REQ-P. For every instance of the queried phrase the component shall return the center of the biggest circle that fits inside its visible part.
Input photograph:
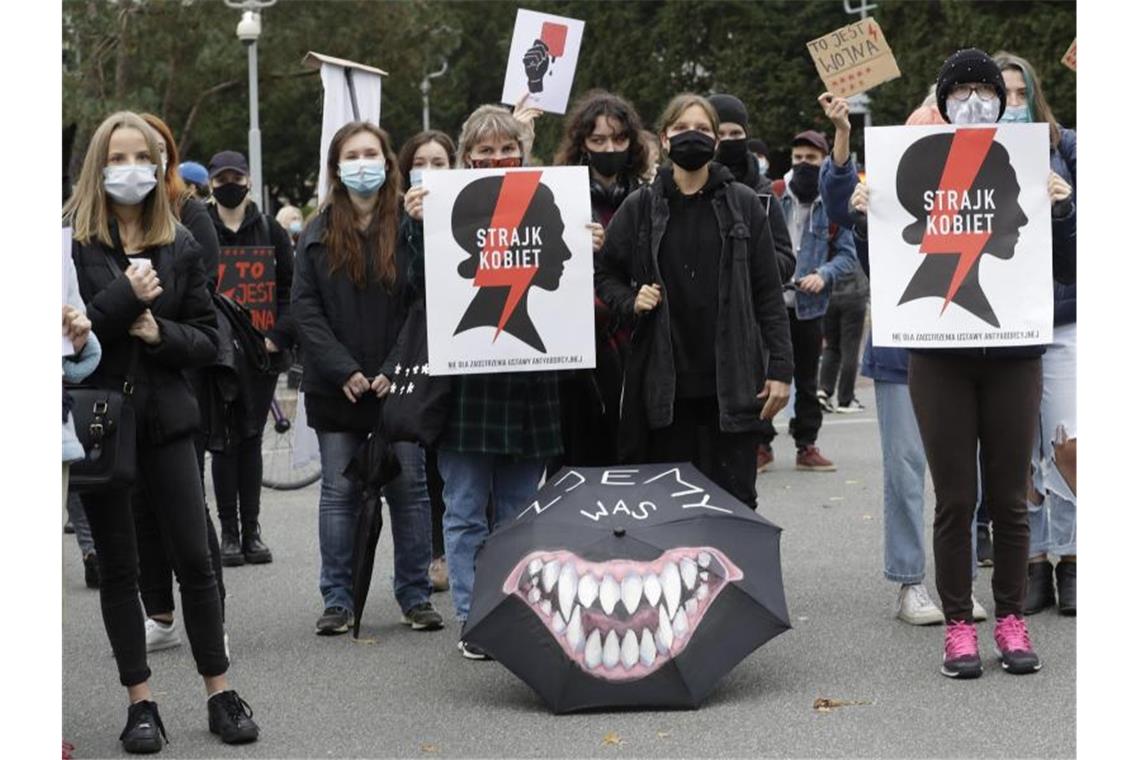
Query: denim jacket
(813, 256)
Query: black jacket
(751, 317)
(344, 329)
(258, 229)
(781, 240)
(165, 406)
(197, 220)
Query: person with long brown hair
(128, 250)
(350, 300)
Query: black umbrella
(638, 586)
(373, 466)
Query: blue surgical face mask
(363, 176)
(295, 228)
(129, 184)
(1016, 115)
(762, 165)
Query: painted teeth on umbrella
(567, 589)
(703, 559)
(608, 594)
(671, 585)
(691, 607)
(689, 572)
(557, 623)
(680, 624)
(594, 649)
(535, 566)
(631, 592)
(534, 595)
(574, 635)
(705, 575)
(611, 651)
(550, 575)
(630, 650)
(587, 589)
(652, 589)
(648, 651)
(546, 607)
(703, 592)
(664, 631)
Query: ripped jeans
(1053, 523)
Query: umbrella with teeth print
(638, 586)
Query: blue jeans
(1053, 524)
(408, 509)
(904, 473)
(469, 481)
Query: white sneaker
(854, 407)
(979, 611)
(916, 607)
(159, 636)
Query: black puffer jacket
(344, 329)
(751, 317)
(165, 406)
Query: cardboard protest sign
(510, 270)
(543, 57)
(854, 59)
(248, 274)
(1070, 57)
(960, 236)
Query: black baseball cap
(228, 160)
(810, 138)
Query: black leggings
(807, 343)
(237, 471)
(167, 507)
(960, 402)
(843, 331)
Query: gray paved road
(412, 695)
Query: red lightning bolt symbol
(514, 200)
(873, 31)
(967, 152)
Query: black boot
(231, 718)
(144, 732)
(1039, 593)
(1067, 588)
(231, 545)
(252, 547)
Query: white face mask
(129, 185)
(973, 110)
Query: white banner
(510, 270)
(543, 57)
(960, 236)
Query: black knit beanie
(729, 108)
(756, 145)
(964, 67)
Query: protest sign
(248, 275)
(1070, 57)
(510, 270)
(854, 59)
(543, 57)
(960, 236)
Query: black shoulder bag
(105, 425)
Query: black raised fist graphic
(536, 61)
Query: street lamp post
(425, 88)
(248, 30)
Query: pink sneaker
(1014, 647)
(960, 658)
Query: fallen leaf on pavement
(663, 734)
(853, 482)
(612, 739)
(836, 498)
(363, 641)
(826, 705)
(866, 517)
(426, 747)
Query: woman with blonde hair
(128, 250)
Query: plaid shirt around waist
(505, 413)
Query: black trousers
(155, 580)
(807, 339)
(435, 495)
(237, 471)
(728, 459)
(843, 335)
(960, 402)
(163, 512)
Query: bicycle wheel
(278, 469)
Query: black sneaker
(1039, 587)
(985, 547)
(253, 549)
(231, 718)
(91, 570)
(1067, 588)
(334, 621)
(144, 733)
(232, 555)
(472, 652)
(423, 617)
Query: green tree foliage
(181, 60)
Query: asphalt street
(409, 694)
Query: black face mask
(607, 163)
(805, 181)
(691, 150)
(231, 194)
(734, 154)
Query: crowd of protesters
(689, 366)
